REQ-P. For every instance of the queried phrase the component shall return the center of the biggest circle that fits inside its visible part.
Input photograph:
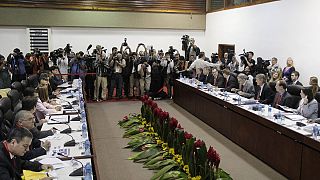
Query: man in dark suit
(217, 79)
(16, 145)
(294, 77)
(264, 93)
(281, 95)
(25, 119)
(230, 80)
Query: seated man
(217, 79)
(230, 80)
(29, 104)
(264, 93)
(25, 119)
(246, 88)
(16, 145)
(55, 78)
(281, 95)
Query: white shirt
(200, 64)
(170, 67)
(63, 65)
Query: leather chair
(17, 86)
(293, 101)
(5, 108)
(294, 89)
(14, 96)
(317, 97)
(33, 81)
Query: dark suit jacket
(283, 100)
(297, 83)
(248, 89)
(218, 82)
(35, 150)
(10, 172)
(40, 134)
(231, 82)
(267, 95)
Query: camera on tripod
(262, 65)
(244, 56)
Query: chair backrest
(317, 97)
(33, 81)
(5, 104)
(14, 96)
(292, 101)
(17, 86)
(294, 89)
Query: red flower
(156, 111)
(125, 118)
(179, 127)
(187, 135)
(141, 130)
(149, 102)
(153, 105)
(164, 115)
(173, 123)
(198, 144)
(213, 157)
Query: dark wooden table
(290, 153)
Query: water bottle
(87, 147)
(315, 131)
(239, 100)
(84, 130)
(269, 111)
(88, 172)
(181, 76)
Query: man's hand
(42, 121)
(57, 108)
(241, 93)
(46, 145)
(46, 167)
(53, 130)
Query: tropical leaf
(146, 154)
(160, 164)
(163, 171)
(135, 155)
(152, 161)
(154, 156)
(174, 175)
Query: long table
(293, 154)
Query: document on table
(294, 117)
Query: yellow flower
(171, 151)
(151, 129)
(159, 142)
(196, 178)
(164, 146)
(143, 122)
(186, 168)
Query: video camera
(214, 57)
(185, 42)
(171, 51)
(262, 65)
(55, 54)
(67, 49)
(244, 56)
(125, 42)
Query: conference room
(207, 89)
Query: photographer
(127, 70)
(101, 66)
(37, 61)
(17, 67)
(5, 79)
(78, 66)
(117, 64)
(248, 61)
(142, 54)
(144, 70)
(193, 49)
(167, 72)
(134, 76)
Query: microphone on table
(70, 143)
(78, 118)
(77, 172)
(65, 131)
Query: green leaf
(160, 164)
(146, 154)
(174, 175)
(135, 155)
(154, 156)
(163, 171)
(153, 161)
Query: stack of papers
(55, 162)
(294, 117)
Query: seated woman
(308, 106)
(275, 76)
(43, 106)
(246, 88)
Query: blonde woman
(286, 73)
(275, 76)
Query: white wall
(13, 37)
(278, 29)
(80, 38)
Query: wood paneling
(175, 6)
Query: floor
(112, 158)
